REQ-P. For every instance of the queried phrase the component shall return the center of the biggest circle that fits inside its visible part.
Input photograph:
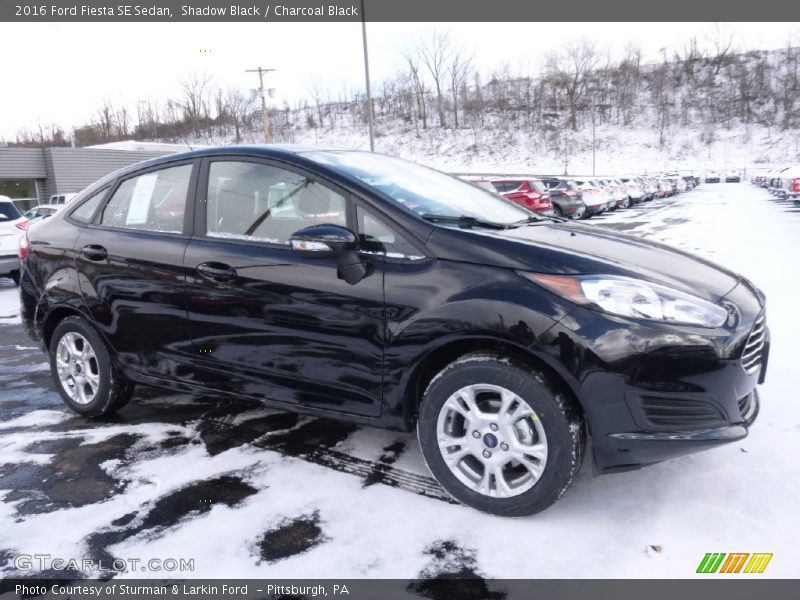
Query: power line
(264, 116)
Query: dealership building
(29, 176)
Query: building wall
(22, 163)
(72, 169)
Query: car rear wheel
(15, 276)
(83, 372)
(498, 437)
(557, 211)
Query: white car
(12, 225)
(61, 198)
(733, 177)
(37, 213)
(711, 177)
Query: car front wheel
(83, 371)
(499, 438)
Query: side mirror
(332, 241)
(322, 241)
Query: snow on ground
(232, 488)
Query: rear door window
(153, 201)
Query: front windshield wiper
(538, 219)
(465, 221)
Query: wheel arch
(53, 318)
(438, 358)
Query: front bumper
(650, 391)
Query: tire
(76, 351)
(460, 417)
(15, 276)
(557, 211)
(628, 202)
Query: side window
(375, 236)
(253, 201)
(86, 210)
(155, 201)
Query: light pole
(594, 138)
(370, 116)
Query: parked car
(37, 213)
(12, 224)
(423, 302)
(651, 188)
(566, 196)
(634, 190)
(790, 182)
(612, 195)
(618, 191)
(528, 192)
(61, 198)
(775, 183)
(733, 177)
(711, 177)
(593, 196)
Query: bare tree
(105, 119)
(418, 82)
(195, 105)
(239, 107)
(570, 69)
(318, 93)
(458, 69)
(434, 52)
(722, 46)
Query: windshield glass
(420, 189)
(537, 185)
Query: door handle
(94, 252)
(217, 271)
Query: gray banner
(395, 10)
(386, 589)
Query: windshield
(420, 189)
(537, 185)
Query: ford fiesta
(352, 285)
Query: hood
(573, 249)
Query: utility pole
(264, 115)
(370, 116)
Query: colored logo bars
(719, 562)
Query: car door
(130, 269)
(265, 322)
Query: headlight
(633, 298)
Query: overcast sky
(61, 73)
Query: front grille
(753, 349)
(680, 412)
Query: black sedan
(352, 285)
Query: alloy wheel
(492, 440)
(78, 370)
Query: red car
(528, 192)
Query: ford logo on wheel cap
(490, 440)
